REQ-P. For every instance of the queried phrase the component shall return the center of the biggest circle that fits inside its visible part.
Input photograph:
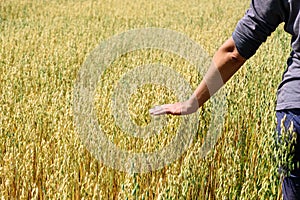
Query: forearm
(225, 64)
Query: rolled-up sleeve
(260, 20)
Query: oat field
(43, 45)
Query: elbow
(231, 53)
(236, 57)
(228, 60)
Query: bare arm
(225, 64)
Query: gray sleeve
(261, 19)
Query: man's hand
(180, 108)
(173, 109)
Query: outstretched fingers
(173, 109)
(158, 110)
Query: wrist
(190, 106)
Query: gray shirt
(261, 19)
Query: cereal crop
(43, 45)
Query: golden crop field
(43, 47)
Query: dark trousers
(291, 184)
